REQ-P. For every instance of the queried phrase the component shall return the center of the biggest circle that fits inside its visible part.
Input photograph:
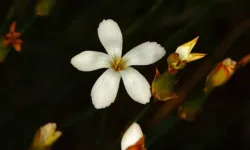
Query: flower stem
(28, 25)
(166, 108)
(141, 114)
(7, 21)
(158, 131)
(202, 71)
(102, 125)
(183, 31)
(139, 22)
(79, 117)
(137, 118)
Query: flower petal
(110, 36)
(53, 138)
(13, 27)
(105, 89)
(185, 49)
(229, 62)
(144, 54)
(136, 85)
(131, 136)
(183, 52)
(17, 47)
(195, 56)
(91, 60)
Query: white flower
(184, 51)
(106, 87)
(132, 135)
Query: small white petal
(185, 49)
(144, 54)
(131, 136)
(110, 36)
(105, 89)
(183, 52)
(91, 60)
(229, 62)
(136, 85)
(195, 56)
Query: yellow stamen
(118, 64)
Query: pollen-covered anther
(118, 64)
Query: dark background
(39, 85)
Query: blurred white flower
(106, 87)
(133, 137)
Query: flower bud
(220, 74)
(133, 138)
(183, 55)
(43, 7)
(174, 62)
(163, 86)
(45, 136)
(185, 50)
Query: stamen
(118, 64)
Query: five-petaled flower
(45, 136)
(12, 38)
(220, 74)
(133, 138)
(106, 87)
(183, 55)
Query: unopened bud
(220, 74)
(45, 136)
(163, 86)
(43, 7)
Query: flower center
(118, 64)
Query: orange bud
(221, 73)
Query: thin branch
(201, 72)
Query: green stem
(219, 52)
(28, 25)
(137, 118)
(7, 21)
(160, 130)
(4, 25)
(141, 114)
(180, 33)
(79, 117)
(102, 125)
(139, 22)
(212, 138)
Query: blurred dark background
(39, 85)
